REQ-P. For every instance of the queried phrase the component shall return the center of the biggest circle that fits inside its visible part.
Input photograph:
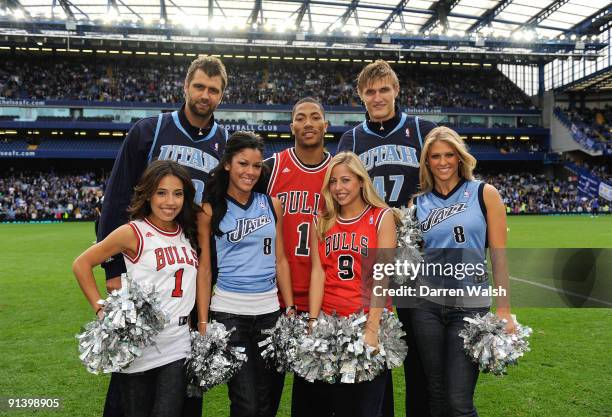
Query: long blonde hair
(329, 214)
(467, 162)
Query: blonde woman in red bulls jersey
(355, 223)
(296, 179)
(160, 248)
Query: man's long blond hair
(329, 214)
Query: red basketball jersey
(298, 187)
(343, 252)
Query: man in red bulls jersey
(296, 178)
(189, 136)
(389, 144)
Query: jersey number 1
(178, 283)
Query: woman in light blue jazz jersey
(244, 226)
(460, 218)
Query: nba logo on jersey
(466, 193)
(408, 132)
(371, 219)
(262, 205)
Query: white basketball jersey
(167, 261)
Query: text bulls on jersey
(172, 255)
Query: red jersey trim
(354, 219)
(299, 165)
(162, 231)
(140, 244)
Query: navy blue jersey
(167, 136)
(199, 155)
(391, 158)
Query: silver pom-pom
(486, 342)
(212, 361)
(358, 361)
(336, 349)
(393, 347)
(318, 351)
(409, 241)
(281, 346)
(132, 318)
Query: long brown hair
(140, 207)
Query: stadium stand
(43, 195)
(590, 127)
(260, 82)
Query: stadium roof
(520, 31)
(544, 18)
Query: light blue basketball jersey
(455, 227)
(246, 255)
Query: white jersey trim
(354, 219)
(296, 161)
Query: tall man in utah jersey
(389, 144)
(189, 136)
(296, 179)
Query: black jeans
(253, 390)
(157, 392)
(450, 374)
(113, 407)
(416, 397)
(319, 399)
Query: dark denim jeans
(157, 392)
(253, 390)
(113, 406)
(416, 397)
(451, 375)
(319, 399)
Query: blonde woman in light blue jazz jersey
(460, 218)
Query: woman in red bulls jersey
(159, 245)
(354, 224)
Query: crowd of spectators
(599, 170)
(528, 193)
(590, 127)
(252, 82)
(26, 196)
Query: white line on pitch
(574, 294)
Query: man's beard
(194, 110)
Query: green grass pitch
(41, 309)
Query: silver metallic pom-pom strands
(486, 342)
(212, 361)
(281, 346)
(409, 241)
(318, 351)
(132, 318)
(335, 350)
